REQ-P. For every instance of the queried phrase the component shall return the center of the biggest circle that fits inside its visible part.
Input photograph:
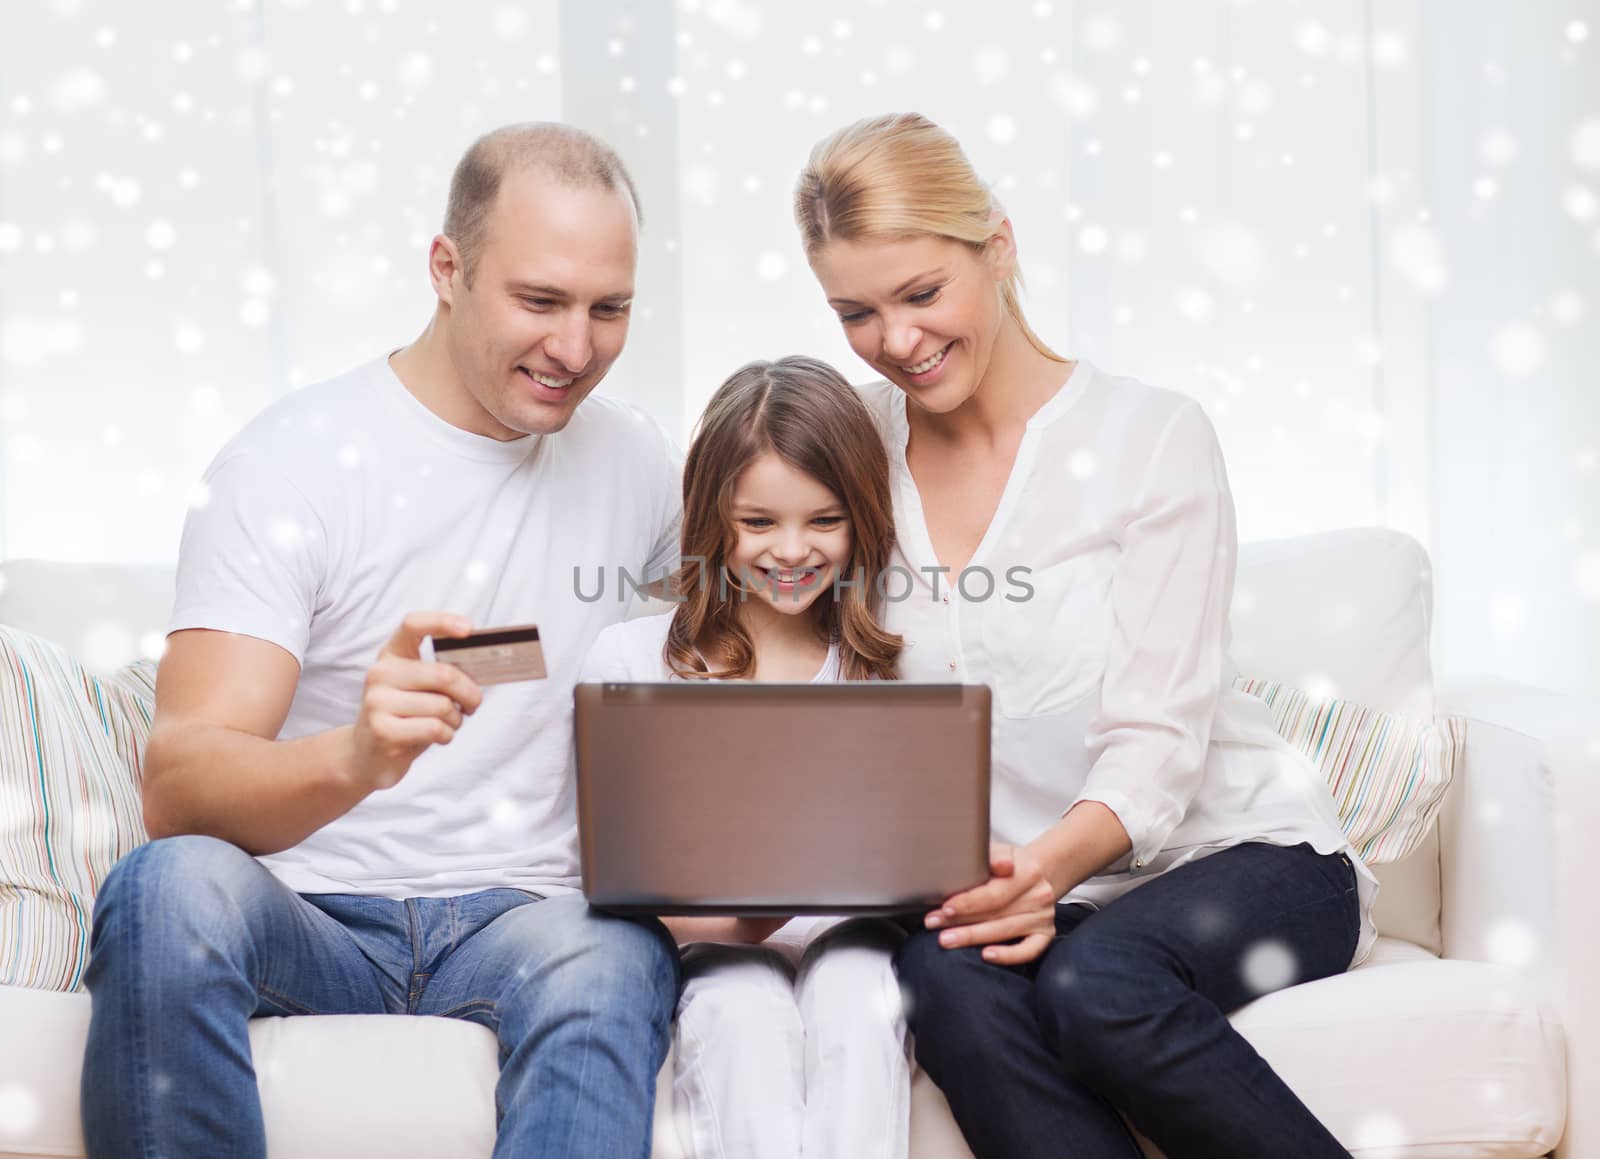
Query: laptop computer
(749, 798)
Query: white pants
(795, 1047)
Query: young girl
(790, 1041)
(1129, 781)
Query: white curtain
(1365, 233)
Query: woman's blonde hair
(805, 412)
(895, 177)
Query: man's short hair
(571, 156)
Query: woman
(789, 1041)
(1160, 856)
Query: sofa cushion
(1340, 613)
(1405, 1057)
(70, 750)
(1388, 773)
(1349, 613)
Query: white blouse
(1096, 609)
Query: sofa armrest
(1517, 839)
(1575, 767)
(1496, 830)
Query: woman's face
(924, 313)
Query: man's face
(547, 311)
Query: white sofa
(1473, 1031)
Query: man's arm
(213, 765)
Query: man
(342, 826)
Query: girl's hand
(754, 931)
(1016, 902)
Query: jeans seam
(413, 986)
(284, 1000)
(472, 1005)
(143, 1140)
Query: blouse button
(946, 597)
(952, 665)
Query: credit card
(495, 655)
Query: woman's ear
(1000, 251)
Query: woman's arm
(1169, 602)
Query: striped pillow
(70, 750)
(1388, 773)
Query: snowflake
(1517, 350)
(1269, 965)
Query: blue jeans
(193, 937)
(1127, 1011)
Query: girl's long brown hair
(805, 412)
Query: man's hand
(1016, 902)
(409, 704)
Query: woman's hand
(1017, 901)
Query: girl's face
(794, 535)
(924, 312)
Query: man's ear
(1000, 250)
(445, 270)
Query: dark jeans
(1127, 1011)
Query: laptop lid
(750, 798)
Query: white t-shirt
(347, 505)
(1096, 608)
(635, 652)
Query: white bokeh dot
(107, 645)
(1378, 1133)
(1102, 34)
(1517, 350)
(1586, 575)
(1512, 942)
(1416, 252)
(771, 266)
(189, 338)
(1580, 202)
(1002, 128)
(1092, 239)
(1269, 965)
(1498, 148)
(160, 235)
(1311, 38)
(1082, 464)
(1195, 304)
(1507, 614)
(991, 64)
(19, 1110)
(1586, 144)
